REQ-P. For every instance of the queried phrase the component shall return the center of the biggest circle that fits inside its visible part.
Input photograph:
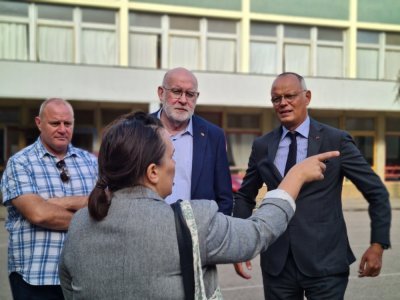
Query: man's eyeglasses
(177, 93)
(64, 175)
(276, 100)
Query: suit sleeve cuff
(278, 193)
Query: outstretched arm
(310, 169)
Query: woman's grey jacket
(133, 253)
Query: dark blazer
(317, 234)
(211, 178)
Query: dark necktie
(291, 159)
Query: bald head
(290, 99)
(55, 101)
(179, 72)
(299, 78)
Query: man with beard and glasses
(202, 170)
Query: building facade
(108, 57)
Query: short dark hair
(129, 145)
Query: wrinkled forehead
(181, 78)
(58, 110)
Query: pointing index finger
(323, 157)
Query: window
(10, 115)
(331, 121)
(213, 117)
(83, 117)
(83, 138)
(55, 34)
(263, 48)
(330, 52)
(98, 16)
(221, 55)
(367, 54)
(363, 132)
(162, 41)
(184, 51)
(109, 115)
(361, 124)
(10, 118)
(297, 49)
(145, 40)
(366, 144)
(244, 121)
(13, 31)
(63, 34)
(184, 42)
(221, 45)
(392, 166)
(184, 23)
(378, 55)
(241, 132)
(31, 134)
(305, 50)
(392, 56)
(99, 40)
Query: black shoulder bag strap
(185, 250)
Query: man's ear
(308, 96)
(152, 174)
(160, 92)
(38, 123)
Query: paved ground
(384, 287)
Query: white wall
(91, 83)
(76, 82)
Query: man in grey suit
(312, 258)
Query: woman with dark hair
(125, 245)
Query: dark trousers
(291, 284)
(21, 290)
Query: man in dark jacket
(202, 170)
(312, 257)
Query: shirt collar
(303, 129)
(42, 151)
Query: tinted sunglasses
(64, 176)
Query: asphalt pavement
(384, 287)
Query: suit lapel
(200, 138)
(314, 138)
(273, 145)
